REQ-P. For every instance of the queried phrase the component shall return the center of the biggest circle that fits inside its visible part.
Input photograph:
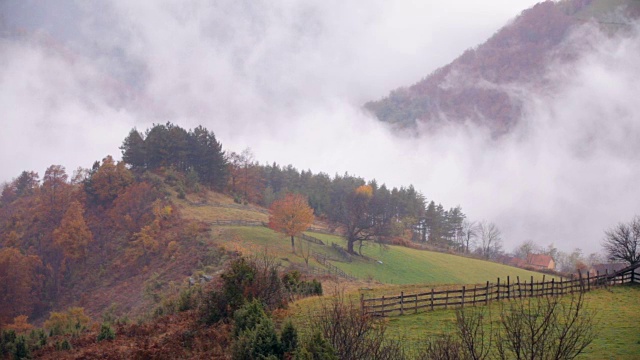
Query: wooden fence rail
(485, 293)
(332, 269)
(237, 223)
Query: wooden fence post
(474, 294)
(431, 299)
(383, 305)
(402, 303)
(508, 288)
(462, 299)
(486, 297)
(580, 281)
(446, 299)
(553, 283)
(588, 281)
(498, 290)
(519, 289)
(531, 284)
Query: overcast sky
(288, 79)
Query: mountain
(481, 86)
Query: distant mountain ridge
(476, 86)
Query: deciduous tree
(291, 216)
(20, 283)
(108, 181)
(73, 235)
(491, 239)
(622, 242)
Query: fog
(288, 79)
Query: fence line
(483, 294)
(311, 239)
(332, 269)
(237, 223)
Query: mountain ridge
(478, 85)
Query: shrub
(65, 345)
(248, 317)
(258, 343)
(106, 333)
(21, 348)
(72, 321)
(316, 348)
(289, 338)
(354, 335)
(214, 308)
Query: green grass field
(616, 313)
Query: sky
(288, 79)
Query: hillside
(484, 84)
(387, 264)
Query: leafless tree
(528, 247)
(548, 328)
(622, 242)
(469, 234)
(491, 239)
(355, 335)
(445, 347)
(305, 251)
(475, 335)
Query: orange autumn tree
(20, 284)
(73, 234)
(291, 216)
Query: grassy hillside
(401, 265)
(387, 265)
(616, 313)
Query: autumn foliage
(291, 216)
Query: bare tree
(469, 234)
(528, 247)
(491, 239)
(475, 336)
(444, 347)
(550, 328)
(305, 251)
(622, 242)
(353, 334)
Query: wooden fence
(332, 269)
(237, 223)
(310, 239)
(483, 294)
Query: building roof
(539, 260)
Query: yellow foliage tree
(110, 180)
(73, 235)
(291, 216)
(20, 324)
(72, 321)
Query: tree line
(380, 215)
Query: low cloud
(288, 78)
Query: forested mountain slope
(484, 84)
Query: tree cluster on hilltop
(169, 145)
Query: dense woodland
(476, 86)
